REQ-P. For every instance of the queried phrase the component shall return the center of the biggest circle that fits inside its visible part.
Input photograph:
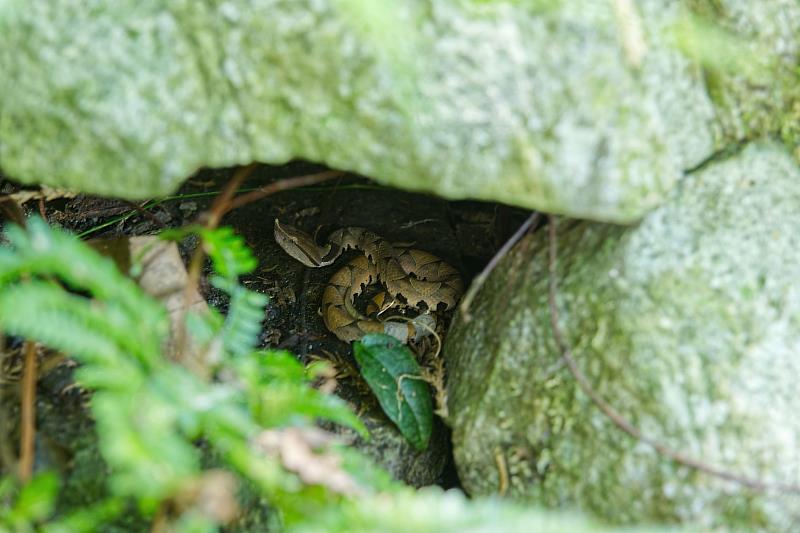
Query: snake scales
(416, 276)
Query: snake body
(413, 275)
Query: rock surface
(687, 324)
(587, 111)
(753, 82)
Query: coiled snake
(414, 275)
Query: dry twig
(28, 413)
(480, 279)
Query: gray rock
(391, 451)
(566, 107)
(688, 324)
(751, 67)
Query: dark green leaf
(392, 372)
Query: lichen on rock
(539, 105)
(687, 324)
(751, 62)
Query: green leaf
(86, 519)
(178, 234)
(278, 391)
(392, 372)
(36, 499)
(229, 253)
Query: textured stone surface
(754, 81)
(688, 324)
(567, 107)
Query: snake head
(302, 246)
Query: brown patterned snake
(416, 276)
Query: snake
(422, 280)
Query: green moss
(687, 324)
(760, 97)
(534, 105)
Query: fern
(149, 411)
(278, 392)
(120, 312)
(42, 250)
(242, 326)
(230, 257)
(228, 252)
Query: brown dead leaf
(162, 275)
(213, 495)
(306, 452)
(43, 193)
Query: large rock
(688, 324)
(569, 107)
(755, 84)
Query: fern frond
(245, 312)
(42, 250)
(229, 253)
(279, 394)
(96, 332)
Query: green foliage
(240, 331)
(230, 258)
(23, 508)
(431, 510)
(228, 251)
(392, 372)
(278, 394)
(150, 411)
(32, 503)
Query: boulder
(589, 111)
(688, 324)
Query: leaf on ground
(392, 372)
(305, 451)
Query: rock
(587, 111)
(755, 85)
(388, 449)
(687, 324)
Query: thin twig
(616, 417)
(140, 208)
(28, 413)
(221, 204)
(282, 185)
(502, 472)
(480, 279)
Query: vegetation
(151, 412)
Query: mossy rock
(587, 111)
(688, 324)
(751, 58)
